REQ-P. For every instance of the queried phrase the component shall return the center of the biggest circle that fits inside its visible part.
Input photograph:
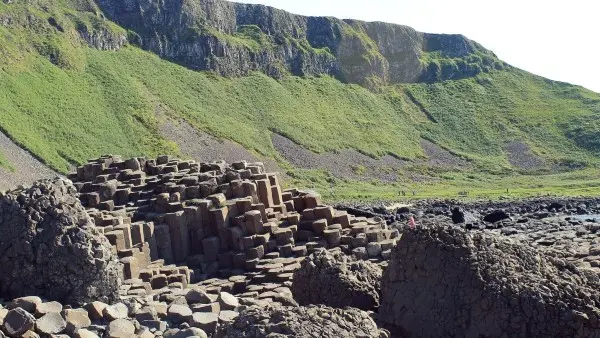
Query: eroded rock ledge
(476, 284)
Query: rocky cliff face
(234, 39)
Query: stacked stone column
(175, 222)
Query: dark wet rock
(461, 216)
(496, 216)
(337, 280)
(458, 215)
(17, 322)
(556, 206)
(499, 288)
(50, 247)
(403, 210)
(582, 209)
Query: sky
(559, 40)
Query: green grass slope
(478, 116)
(66, 102)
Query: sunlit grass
(88, 102)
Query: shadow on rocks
(337, 280)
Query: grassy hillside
(453, 184)
(478, 116)
(67, 102)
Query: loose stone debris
(174, 248)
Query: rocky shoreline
(170, 248)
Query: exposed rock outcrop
(233, 39)
(337, 280)
(50, 247)
(103, 37)
(310, 321)
(444, 282)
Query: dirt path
(26, 168)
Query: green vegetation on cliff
(65, 115)
(66, 102)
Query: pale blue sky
(559, 40)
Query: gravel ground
(344, 163)
(520, 156)
(347, 163)
(27, 169)
(439, 157)
(204, 147)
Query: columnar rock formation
(176, 222)
(217, 250)
(449, 282)
(195, 245)
(50, 247)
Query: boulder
(310, 321)
(83, 333)
(76, 319)
(185, 333)
(49, 247)
(179, 313)
(3, 313)
(29, 303)
(51, 323)
(146, 313)
(228, 301)
(17, 322)
(337, 280)
(115, 311)
(195, 296)
(120, 328)
(227, 316)
(205, 320)
(484, 285)
(48, 307)
(95, 310)
(32, 334)
(461, 216)
(496, 216)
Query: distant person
(414, 193)
(411, 222)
